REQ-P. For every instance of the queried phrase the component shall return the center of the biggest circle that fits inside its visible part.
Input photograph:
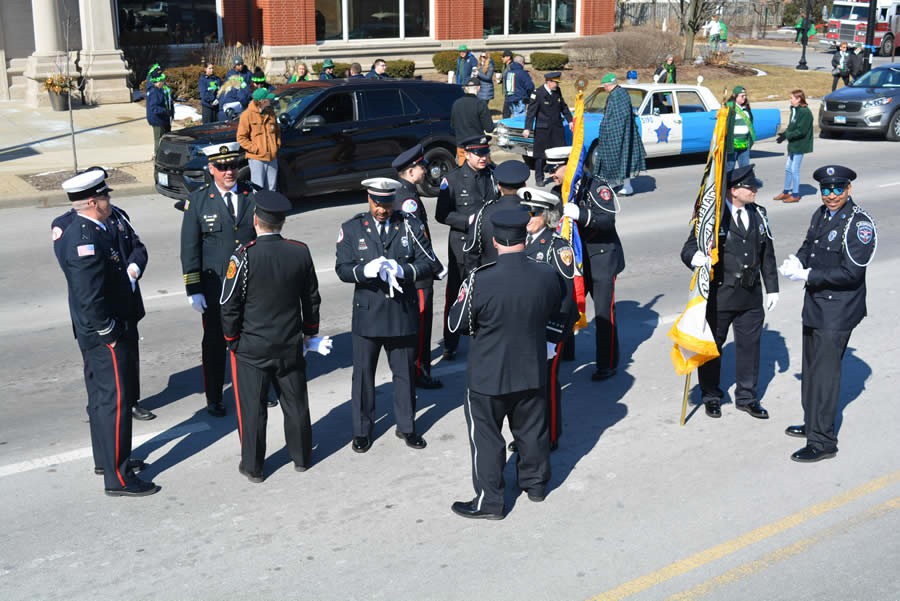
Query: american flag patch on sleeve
(86, 250)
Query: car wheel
(440, 162)
(893, 130)
(887, 46)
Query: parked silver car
(870, 104)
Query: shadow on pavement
(180, 386)
(203, 431)
(853, 382)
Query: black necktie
(230, 204)
(528, 239)
(383, 230)
(739, 217)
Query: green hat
(462, 48)
(737, 90)
(263, 94)
(328, 64)
(608, 78)
(155, 74)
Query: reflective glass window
(176, 21)
(418, 13)
(329, 20)
(374, 19)
(493, 17)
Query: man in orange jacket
(259, 135)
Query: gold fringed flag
(568, 229)
(693, 338)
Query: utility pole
(870, 36)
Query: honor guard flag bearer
(693, 338)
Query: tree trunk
(688, 45)
(754, 29)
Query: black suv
(334, 134)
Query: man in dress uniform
(129, 246)
(545, 115)
(105, 305)
(544, 245)
(555, 161)
(270, 309)
(510, 175)
(383, 253)
(463, 192)
(746, 261)
(832, 261)
(217, 219)
(509, 325)
(410, 166)
(594, 209)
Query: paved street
(818, 58)
(639, 507)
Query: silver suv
(870, 104)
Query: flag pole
(684, 400)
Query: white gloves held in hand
(793, 269)
(572, 211)
(373, 267)
(771, 300)
(700, 259)
(198, 302)
(388, 268)
(551, 350)
(317, 344)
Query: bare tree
(762, 13)
(692, 14)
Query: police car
(674, 119)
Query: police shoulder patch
(410, 205)
(232, 269)
(235, 264)
(865, 232)
(56, 233)
(444, 183)
(340, 234)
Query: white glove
(198, 302)
(572, 211)
(801, 275)
(134, 272)
(700, 259)
(394, 268)
(791, 267)
(373, 267)
(317, 344)
(471, 218)
(771, 300)
(442, 274)
(551, 350)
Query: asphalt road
(818, 58)
(640, 508)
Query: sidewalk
(38, 142)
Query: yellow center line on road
(707, 556)
(704, 589)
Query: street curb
(57, 198)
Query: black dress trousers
(401, 354)
(823, 351)
(747, 327)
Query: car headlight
(877, 102)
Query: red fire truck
(848, 19)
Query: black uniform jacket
(209, 236)
(479, 246)
(743, 257)
(550, 248)
(375, 313)
(408, 201)
(603, 253)
(462, 194)
(544, 110)
(270, 298)
(505, 307)
(470, 117)
(836, 287)
(101, 301)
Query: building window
(372, 19)
(516, 17)
(176, 21)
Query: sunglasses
(836, 190)
(536, 212)
(226, 166)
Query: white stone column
(101, 62)
(48, 57)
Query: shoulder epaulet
(860, 228)
(296, 242)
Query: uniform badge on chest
(832, 235)
(404, 241)
(362, 244)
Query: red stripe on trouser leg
(554, 400)
(237, 396)
(112, 352)
(419, 349)
(612, 325)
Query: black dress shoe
(448, 355)
(713, 409)
(179, 205)
(796, 431)
(271, 403)
(361, 444)
(413, 440)
(255, 477)
(136, 465)
(810, 454)
(512, 448)
(216, 409)
(470, 510)
(603, 373)
(536, 495)
(755, 409)
(138, 412)
(428, 383)
(136, 488)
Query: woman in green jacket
(799, 134)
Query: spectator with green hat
(741, 134)
(620, 153)
(466, 65)
(327, 69)
(160, 106)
